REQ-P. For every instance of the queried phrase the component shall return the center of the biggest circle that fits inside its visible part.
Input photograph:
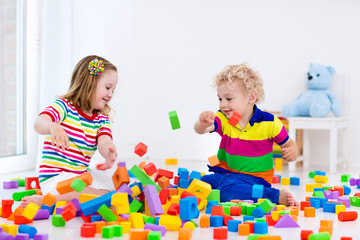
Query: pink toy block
(234, 119)
(153, 200)
(140, 149)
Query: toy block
(184, 183)
(188, 208)
(171, 161)
(185, 194)
(17, 196)
(234, 119)
(260, 228)
(340, 189)
(163, 182)
(174, 209)
(257, 191)
(217, 210)
(49, 199)
(294, 181)
(78, 185)
(10, 184)
(339, 208)
(107, 232)
(6, 209)
(58, 205)
(309, 212)
(346, 238)
(121, 202)
(171, 223)
(183, 173)
(18, 211)
(347, 190)
(64, 186)
(154, 235)
(220, 233)
(87, 197)
(244, 229)
(30, 210)
(143, 177)
(140, 149)
(213, 160)
(275, 179)
(267, 205)
(347, 216)
(153, 200)
(235, 210)
(69, 211)
(258, 212)
(150, 169)
(135, 191)
(189, 225)
(352, 182)
(266, 237)
(233, 225)
(278, 164)
(87, 231)
(136, 220)
(320, 236)
(95, 218)
(321, 179)
(286, 222)
(345, 177)
(164, 195)
(355, 201)
(285, 181)
(199, 188)
(321, 173)
(204, 221)
(28, 230)
(304, 235)
(99, 225)
(32, 183)
(174, 120)
(195, 174)
(216, 221)
(135, 206)
(57, 221)
(91, 206)
(106, 213)
(250, 209)
(120, 177)
(162, 172)
(226, 218)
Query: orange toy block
(269, 238)
(185, 234)
(150, 169)
(99, 225)
(140, 149)
(139, 235)
(244, 229)
(64, 186)
(173, 191)
(234, 119)
(163, 182)
(120, 177)
(30, 182)
(340, 189)
(213, 160)
(49, 199)
(204, 221)
(18, 211)
(309, 212)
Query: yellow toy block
(260, 200)
(321, 179)
(280, 207)
(202, 205)
(202, 173)
(146, 208)
(179, 191)
(136, 190)
(318, 185)
(278, 164)
(87, 197)
(339, 208)
(136, 220)
(189, 225)
(30, 210)
(0, 211)
(275, 215)
(171, 161)
(285, 181)
(121, 203)
(175, 199)
(12, 230)
(126, 226)
(199, 188)
(58, 204)
(171, 223)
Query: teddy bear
(317, 100)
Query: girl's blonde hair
(83, 84)
(249, 79)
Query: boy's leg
(214, 179)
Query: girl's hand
(59, 137)
(109, 160)
(207, 118)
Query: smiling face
(104, 89)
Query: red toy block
(217, 210)
(174, 209)
(164, 195)
(176, 180)
(150, 169)
(270, 221)
(29, 181)
(340, 189)
(275, 179)
(234, 119)
(185, 194)
(346, 238)
(88, 230)
(69, 211)
(347, 216)
(6, 209)
(251, 224)
(304, 204)
(120, 177)
(220, 233)
(64, 186)
(162, 172)
(226, 218)
(357, 194)
(140, 149)
(235, 210)
(19, 219)
(305, 234)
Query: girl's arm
(289, 150)
(107, 149)
(205, 123)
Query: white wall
(168, 52)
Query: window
(12, 81)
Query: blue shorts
(239, 186)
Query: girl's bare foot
(37, 199)
(287, 199)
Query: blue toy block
(27, 229)
(195, 174)
(257, 191)
(209, 206)
(138, 184)
(318, 189)
(183, 173)
(95, 218)
(130, 174)
(157, 218)
(294, 181)
(347, 190)
(260, 227)
(330, 207)
(248, 218)
(184, 183)
(216, 221)
(91, 206)
(321, 173)
(50, 209)
(315, 203)
(188, 208)
(233, 225)
(322, 200)
(258, 212)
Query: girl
(76, 125)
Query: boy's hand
(59, 137)
(207, 118)
(289, 151)
(109, 160)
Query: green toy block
(320, 236)
(107, 232)
(267, 205)
(311, 174)
(17, 196)
(345, 178)
(214, 195)
(196, 225)
(135, 205)
(143, 177)
(148, 219)
(226, 210)
(20, 181)
(78, 184)
(249, 210)
(154, 235)
(283, 212)
(319, 194)
(260, 220)
(118, 230)
(106, 213)
(58, 221)
(355, 201)
(326, 188)
(174, 120)
(256, 236)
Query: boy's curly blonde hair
(248, 78)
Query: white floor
(349, 229)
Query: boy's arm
(205, 123)
(107, 150)
(289, 150)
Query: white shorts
(101, 180)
